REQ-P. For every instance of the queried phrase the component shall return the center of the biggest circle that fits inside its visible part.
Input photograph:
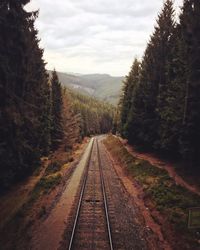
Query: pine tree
(22, 77)
(44, 130)
(190, 27)
(126, 98)
(57, 106)
(37, 92)
(71, 123)
(131, 117)
(116, 120)
(172, 112)
(165, 36)
(15, 151)
(153, 81)
(147, 92)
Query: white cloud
(98, 36)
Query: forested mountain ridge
(96, 116)
(101, 86)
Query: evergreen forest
(160, 104)
(37, 115)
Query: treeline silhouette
(160, 104)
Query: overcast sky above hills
(95, 36)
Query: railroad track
(91, 227)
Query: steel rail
(105, 199)
(80, 198)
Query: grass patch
(170, 199)
(45, 184)
(50, 179)
(56, 165)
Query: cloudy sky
(95, 36)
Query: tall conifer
(126, 98)
(22, 79)
(190, 27)
(57, 106)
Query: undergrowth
(53, 167)
(46, 184)
(51, 177)
(22, 216)
(172, 200)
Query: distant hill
(101, 86)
